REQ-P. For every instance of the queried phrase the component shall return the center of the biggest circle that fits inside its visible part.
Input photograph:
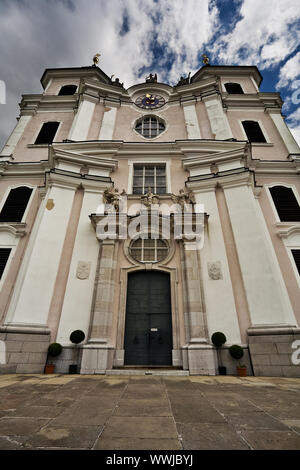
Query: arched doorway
(148, 325)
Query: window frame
(35, 136)
(262, 128)
(153, 116)
(6, 194)
(131, 164)
(143, 248)
(144, 176)
(68, 84)
(233, 83)
(276, 215)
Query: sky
(136, 37)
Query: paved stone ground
(148, 412)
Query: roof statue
(151, 78)
(96, 59)
(205, 59)
(184, 80)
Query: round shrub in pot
(76, 337)
(237, 353)
(218, 339)
(54, 350)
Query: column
(268, 300)
(98, 353)
(15, 136)
(191, 121)
(108, 123)
(83, 118)
(284, 131)
(200, 354)
(36, 282)
(217, 117)
(77, 303)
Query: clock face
(149, 101)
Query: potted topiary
(76, 337)
(218, 339)
(54, 349)
(237, 353)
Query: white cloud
(289, 72)
(264, 36)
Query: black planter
(222, 370)
(73, 369)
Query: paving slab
(71, 437)
(140, 427)
(143, 407)
(270, 440)
(207, 437)
(20, 426)
(254, 420)
(137, 444)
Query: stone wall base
(96, 359)
(201, 359)
(272, 352)
(24, 353)
(225, 359)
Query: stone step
(147, 372)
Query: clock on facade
(149, 101)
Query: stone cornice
(58, 154)
(17, 229)
(219, 70)
(30, 104)
(238, 154)
(295, 228)
(225, 179)
(270, 102)
(75, 72)
(265, 167)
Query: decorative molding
(17, 229)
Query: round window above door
(149, 250)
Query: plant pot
(222, 370)
(241, 371)
(73, 369)
(49, 368)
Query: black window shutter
(286, 204)
(67, 90)
(47, 133)
(15, 204)
(234, 88)
(296, 255)
(253, 131)
(4, 255)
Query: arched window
(4, 255)
(149, 250)
(150, 126)
(234, 88)
(68, 90)
(15, 204)
(286, 204)
(47, 133)
(253, 131)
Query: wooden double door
(148, 326)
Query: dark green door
(148, 327)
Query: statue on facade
(184, 197)
(113, 197)
(184, 80)
(149, 198)
(151, 78)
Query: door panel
(148, 327)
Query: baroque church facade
(214, 143)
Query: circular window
(149, 250)
(150, 126)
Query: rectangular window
(47, 133)
(4, 255)
(145, 176)
(253, 131)
(296, 255)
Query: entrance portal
(148, 327)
